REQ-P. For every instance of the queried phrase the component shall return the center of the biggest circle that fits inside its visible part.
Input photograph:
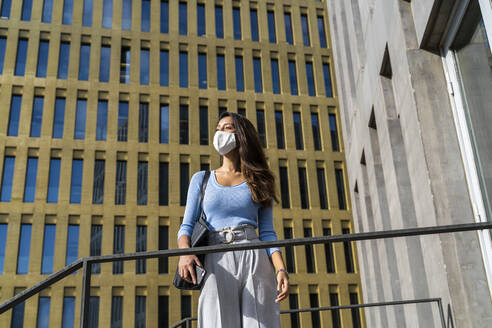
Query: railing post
(86, 294)
(441, 313)
(188, 323)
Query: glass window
(310, 79)
(102, 119)
(140, 311)
(327, 76)
(183, 69)
(76, 182)
(84, 63)
(93, 311)
(219, 23)
(183, 125)
(44, 46)
(260, 125)
(288, 28)
(257, 74)
(184, 178)
(284, 187)
(141, 246)
(63, 60)
(316, 131)
(253, 14)
(329, 258)
(80, 117)
(354, 299)
(241, 111)
(309, 251)
(67, 12)
(3, 242)
(87, 14)
(107, 18)
(142, 183)
(5, 10)
(303, 188)
(143, 122)
(144, 66)
(72, 244)
(305, 30)
(203, 125)
(145, 18)
(37, 117)
(118, 247)
(347, 249)
(340, 189)
(222, 109)
(126, 15)
(14, 116)
(163, 310)
(334, 132)
(183, 18)
(321, 32)
(30, 184)
(53, 180)
(204, 166)
(202, 70)
(163, 183)
(335, 314)
(7, 178)
(59, 118)
(293, 305)
(221, 72)
(298, 131)
(185, 306)
(279, 127)
(47, 11)
(117, 312)
(323, 198)
(24, 249)
(164, 68)
(68, 316)
(164, 126)
(314, 303)
(98, 185)
(48, 248)
(125, 65)
(120, 186)
(18, 316)
(272, 35)
(200, 19)
(96, 246)
(239, 73)
(293, 77)
(236, 17)
(20, 62)
(3, 45)
(275, 76)
(105, 63)
(164, 16)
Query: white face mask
(224, 142)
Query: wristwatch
(283, 270)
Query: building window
(141, 246)
(24, 249)
(294, 305)
(67, 12)
(335, 314)
(163, 184)
(202, 70)
(3, 242)
(126, 15)
(102, 120)
(203, 125)
(185, 306)
(125, 64)
(329, 258)
(117, 312)
(5, 10)
(257, 74)
(260, 125)
(59, 118)
(120, 186)
(293, 77)
(20, 62)
(310, 79)
(183, 124)
(236, 20)
(200, 19)
(354, 299)
(314, 303)
(219, 23)
(279, 127)
(239, 73)
(63, 60)
(107, 19)
(142, 183)
(163, 311)
(334, 132)
(72, 244)
(253, 13)
(164, 126)
(44, 46)
(316, 131)
(96, 246)
(7, 178)
(47, 11)
(145, 18)
(303, 188)
(164, 16)
(204, 166)
(14, 116)
(93, 311)
(340, 189)
(183, 18)
(68, 316)
(143, 122)
(305, 30)
(223, 109)
(118, 247)
(48, 248)
(26, 10)
(221, 73)
(144, 66)
(37, 117)
(288, 28)
(84, 63)
(327, 76)
(164, 68)
(321, 31)
(53, 180)
(184, 178)
(284, 186)
(310, 261)
(140, 311)
(323, 198)
(347, 249)
(275, 75)
(76, 181)
(272, 35)
(183, 69)
(298, 130)
(87, 14)
(18, 316)
(122, 121)
(3, 46)
(30, 184)
(80, 117)
(98, 185)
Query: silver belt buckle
(229, 235)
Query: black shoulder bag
(198, 238)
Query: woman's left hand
(282, 286)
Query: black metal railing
(86, 263)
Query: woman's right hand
(186, 267)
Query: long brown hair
(253, 164)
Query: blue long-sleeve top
(226, 206)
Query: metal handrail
(86, 262)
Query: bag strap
(200, 198)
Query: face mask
(224, 142)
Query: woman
(241, 288)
